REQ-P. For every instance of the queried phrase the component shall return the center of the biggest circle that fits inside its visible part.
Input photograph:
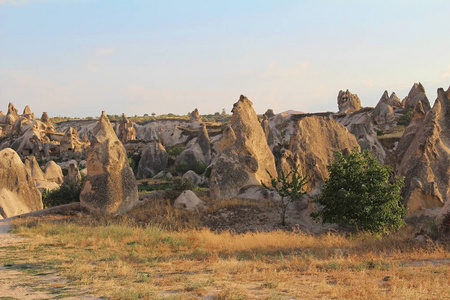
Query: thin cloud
(104, 51)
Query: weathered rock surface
(195, 116)
(383, 114)
(197, 151)
(245, 161)
(72, 146)
(53, 172)
(424, 156)
(416, 94)
(188, 200)
(126, 130)
(153, 160)
(193, 177)
(313, 145)
(110, 186)
(360, 124)
(73, 176)
(35, 169)
(18, 191)
(348, 102)
(394, 101)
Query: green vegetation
(198, 167)
(359, 193)
(67, 193)
(290, 187)
(406, 117)
(133, 161)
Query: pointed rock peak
(417, 88)
(45, 118)
(27, 110)
(124, 117)
(242, 98)
(243, 104)
(11, 109)
(385, 97)
(104, 126)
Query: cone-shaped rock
(383, 114)
(53, 172)
(12, 115)
(110, 186)
(18, 191)
(424, 156)
(246, 160)
(394, 100)
(416, 94)
(35, 169)
(126, 129)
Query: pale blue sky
(79, 57)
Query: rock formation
(154, 159)
(313, 145)
(394, 101)
(126, 130)
(424, 155)
(197, 151)
(245, 161)
(195, 116)
(193, 177)
(73, 176)
(53, 172)
(360, 124)
(35, 169)
(12, 114)
(188, 200)
(27, 113)
(383, 114)
(348, 102)
(72, 146)
(18, 192)
(416, 94)
(110, 186)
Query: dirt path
(17, 285)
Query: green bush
(174, 151)
(67, 193)
(133, 161)
(198, 167)
(359, 193)
(405, 118)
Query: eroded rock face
(110, 186)
(153, 160)
(394, 101)
(424, 156)
(12, 114)
(360, 124)
(53, 172)
(35, 169)
(312, 147)
(416, 94)
(72, 146)
(73, 176)
(383, 114)
(244, 155)
(195, 116)
(126, 130)
(18, 191)
(197, 151)
(348, 102)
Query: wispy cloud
(101, 52)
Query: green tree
(359, 193)
(290, 187)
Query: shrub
(67, 193)
(290, 190)
(174, 151)
(133, 161)
(198, 167)
(406, 117)
(359, 193)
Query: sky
(76, 58)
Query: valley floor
(82, 257)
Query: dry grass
(120, 259)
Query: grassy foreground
(122, 260)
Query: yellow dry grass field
(121, 259)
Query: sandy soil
(17, 285)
